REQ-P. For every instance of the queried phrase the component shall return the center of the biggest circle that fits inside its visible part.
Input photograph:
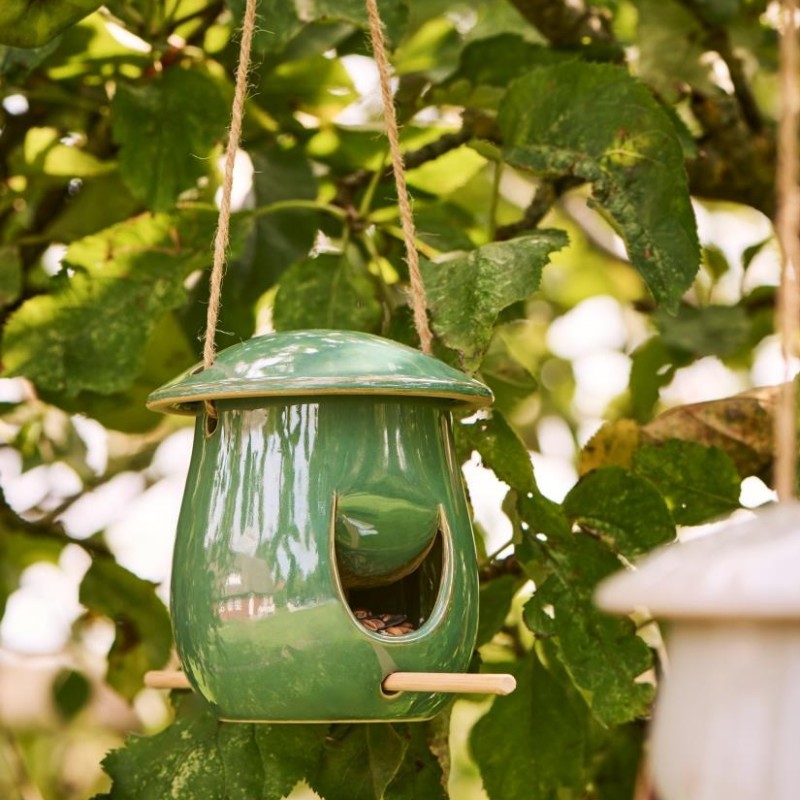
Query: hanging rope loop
(398, 168)
(222, 236)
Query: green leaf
(672, 44)
(16, 62)
(99, 203)
(616, 762)
(288, 753)
(10, 274)
(283, 21)
(274, 242)
(420, 774)
(167, 130)
(697, 482)
(198, 756)
(500, 448)
(166, 353)
(653, 366)
(597, 123)
(71, 692)
(718, 12)
(90, 333)
(625, 510)
(602, 655)
(360, 761)
(466, 294)
(531, 745)
(330, 291)
(495, 598)
(27, 24)
(317, 85)
(708, 331)
(43, 152)
(143, 635)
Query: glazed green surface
(258, 607)
(298, 363)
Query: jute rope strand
(398, 167)
(223, 223)
(788, 231)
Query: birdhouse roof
(746, 569)
(318, 362)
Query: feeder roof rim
(319, 363)
(745, 570)
(179, 404)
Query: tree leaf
(495, 598)
(616, 763)
(10, 274)
(329, 291)
(597, 123)
(360, 761)
(198, 756)
(697, 482)
(26, 24)
(274, 242)
(143, 634)
(466, 294)
(625, 510)
(602, 655)
(711, 330)
(89, 334)
(166, 353)
(420, 774)
(283, 21)
(653, 366)
(167, 130)
(531, 745)
(613, 445)
(741, 426)
(71, 691)
(500, 448)
(44, 153)
(289, 753)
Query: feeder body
(727, 719)
(296, 511)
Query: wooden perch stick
(455, 682)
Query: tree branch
(546, 195)
(499, 566)
(733, 162)
(717, 39)
(567, 24)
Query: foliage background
(552, 150)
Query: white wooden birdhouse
(727, 718)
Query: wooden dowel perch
(453, 682)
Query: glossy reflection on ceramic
(292, 508)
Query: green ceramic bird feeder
(324, 540)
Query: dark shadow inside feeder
(399, 605)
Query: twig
(546, 195)
(502, 566)
(567, 23)
(717, 39)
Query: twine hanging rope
(398, 168)
(222, 236)
(787, 226)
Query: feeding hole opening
(397, 607)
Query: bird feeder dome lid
(318, 362)
(747, 570)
